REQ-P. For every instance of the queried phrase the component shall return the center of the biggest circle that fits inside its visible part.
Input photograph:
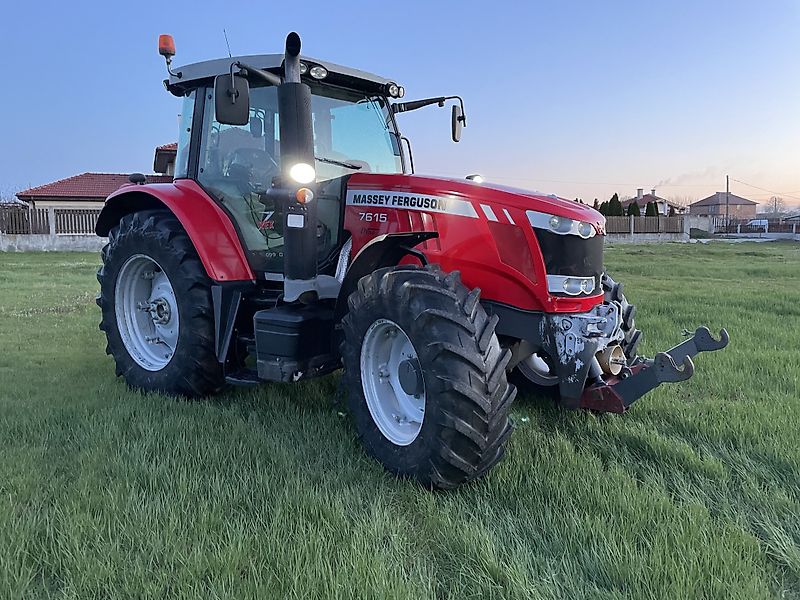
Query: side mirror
(457, 122)
(231, 100)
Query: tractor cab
(240, 161)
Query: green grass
(265, 493)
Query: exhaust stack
(297, 148)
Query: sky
(581, 99)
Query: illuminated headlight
(318, 72)
(303, 68)
(573, 286)
(560, 225)
(302, 173)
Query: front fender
(207, 225)
(382, 251)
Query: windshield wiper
(331, 161)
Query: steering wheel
(257, 166)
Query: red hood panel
(486, 193)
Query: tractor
(297, 240)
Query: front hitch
(618, 393)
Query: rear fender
(207, 225)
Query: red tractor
(295, 240)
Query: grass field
(264, 492)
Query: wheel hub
(146, 311)
(393, 382)
(410, 376)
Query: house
(722, 203)
(89, 190)
(643, 200)
(164, 161)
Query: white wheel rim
(536, 369)
(397, 414)
(147, 312)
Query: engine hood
(490, 194)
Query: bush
(633, 210)
(651, 210)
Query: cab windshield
(353, 132)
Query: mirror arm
(265, 75)
(415, 104)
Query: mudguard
(382, 251)
(208, 226)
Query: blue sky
(578, 98)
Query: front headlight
(560, 225)
(572, 286)
(585, 230)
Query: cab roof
(195, 74)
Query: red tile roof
(86, 186)
(167, 147)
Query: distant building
(643, 200)
(717, 205)
(164, 161)
(89, 190)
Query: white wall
(51, 243)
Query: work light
(302, 173)
(318, 72)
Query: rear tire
(461, 375)
(150, 257)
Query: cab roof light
(166, 46)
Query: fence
(644, 225)
(54, 221)
(756, 226)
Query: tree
(615, 207)
(672, 211)
(604, 208)
(596, 204)
(682, 201)
(776, 207)
(651, 210)
(633, 210)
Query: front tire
(425, 374)
(157, 314)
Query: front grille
(571, 255)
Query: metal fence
(644, 225)
(21, 220)
(756, 226)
